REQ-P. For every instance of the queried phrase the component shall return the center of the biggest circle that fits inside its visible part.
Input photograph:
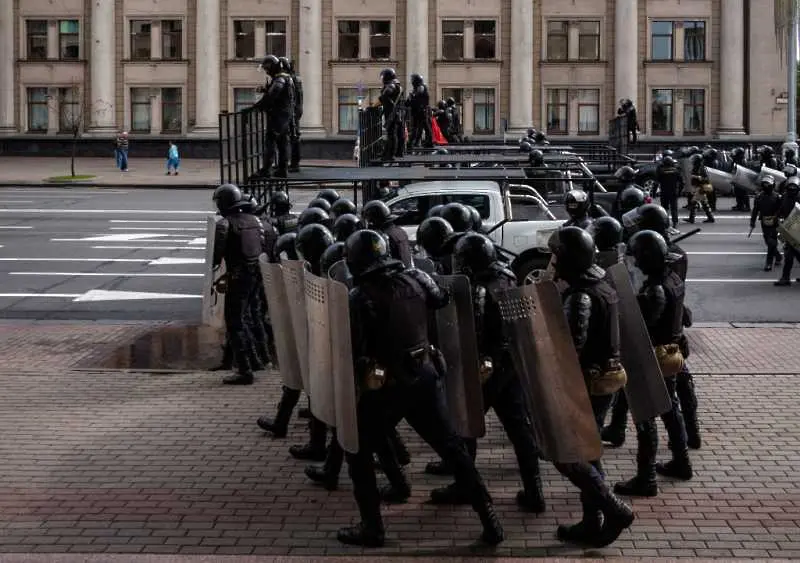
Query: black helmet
(574, 252)
(710, 153)
(525, 146)
(767, 183)
(696, 160)
(279, 203)
(320, 204)
(790, 170)
(792, 184)
(441, 151)
(451, 101)
(387, 75)
(312, 216)
(577, 203)
(271, 65)
(669, 161)
(416, 79)
(474, 253)
(531, 132)
(648, 217)
(342, 207)
(631, 198)
(376, 214)
(366, 251)
(345, 225)
(311, 242)
(458, 216)
(477, 222)
(435, 211)
(649, 250)
(536, 157)
(432, 234)
(285, 243)
(330, 195)
(331, 256)
(766, 151)
(539, 137)
(738, 152)
(625, 174)
(286, 64)
(607, 233)
(226, 196)
(694, 149)
(442, 104)
(666, 153)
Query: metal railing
(618, 134)
(242, 150)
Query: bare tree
(73, 111)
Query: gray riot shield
(685, 165)
(777, 175)
(745, 178)
(720, 180)
(344, 383)
(424, 264)
(320, 363)
(340, 273)
(213, 301)
(294, 281)
(550, 372)
(281, 320)
(455, 326)
(645, 389)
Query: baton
(686, 235)
(751, 232)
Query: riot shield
(790, 228)
(344, 382)
(720, 180)
(340, 273)
(779, 176)
(745, 178)
(685, 165)
(424, 264)
(320, 363)
(455, 327)
(645, 389)
(281, 321)
(213, 301)
(547, 365)
(294, 281)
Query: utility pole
(791, 69)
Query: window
(589, 40)
(479, 202)
(412, 211)
(140, 110)
(557, 41)
(588, 112)
(380, 40)
(485, 38)
(38, 110)
(694, 112)
(140, 40)
(243, 98)
(483, 110)
(348, 106)
(661, 45)
(172, 39)
(349, 39)
(244, 39)
(662, 112)
(69, 110)
(276, 37)
(37, 39)
(557, 111)
(171, 119)
(452, 40)
(68, 40)
(694, 41)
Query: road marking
(198, 241)
(727, 253)
(124, 247)
(140, 260)
(725, 217)
(25, 295)
(156, 229)
(14, 227)
(156, 222)
(106, 275)
(168, 261)
(101, 191)
(95, 295)
(716, 234)
(729, 280)
(16, 201)
(107, 211)
(130, 237)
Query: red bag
(438, 138)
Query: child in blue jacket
(173, 159)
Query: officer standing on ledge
(419, 101)
(391, 99)
(278, 103)
(294, 125)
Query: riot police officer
(738, 158)
(711, 160)
(311, 216)
(392, 305)
(765, 208)
(455, 120)
(591, 308)
(238, 241)
(391, 99)
(701, 187)
(345, 225)
(279, 209)
(788, 201)
(670, 182)
(294, 126)
(767, 155)
(432, 235)
(577, 204)
(630, 198)
(607, 235)
(626, 176)
(789, 156)
(342, 207)
(419, 101)
(443, 120)
(378, 217)
(476, 257)
(279, 104)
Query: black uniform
(741, 193)
(419, 102)
(294, 131)
(455, 120)
(788, 200)
(670, 181)
(399, 245)
(444, 120)
(391, 98)
(278, 102)
(766, 208)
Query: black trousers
(294, 141)
(395, 135)
(260, 328)
(420, 401)
(789, 254)
(241, 293)
(771, 240)
(277, 141)
(647, 432)
(669, 201)
(742, 198)
(421, 126)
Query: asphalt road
(135, 254)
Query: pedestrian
(173, 159)
(121, 151)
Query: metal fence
(370, 135)
(618, 134)
(242, 150)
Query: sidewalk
(144, 173)
(122, 462)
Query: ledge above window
(364, 62)
(572, 62)
(497, 62)
(676, 62)
(53, 61)
(156, 61)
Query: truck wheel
(651, 186)
(531, 270)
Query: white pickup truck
(526, 220)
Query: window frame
(689, 102)
(595, 36)
(29, 48)
(349, 35)
(270, 36)
(476, 36)
(564, 34)
(31, 103)
(76, 36)
(449, 35)
(408, 218)
(654, 36)
(63, 103)
(239, 35)
(133, 104)
(663, 132)
(133, 35)
(597, 105)
(372, 35)
(368, 97)
(172, 34)
(476, 106)
(559, 104)
(171, 104)
(235, 102)
(693, 24)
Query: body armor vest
(768, 206)
(602, 343)
(669, 328)
(244, 240)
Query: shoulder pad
(595, 273)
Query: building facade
(695, 68)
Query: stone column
(7, 84)
(310, 67)
(416, 41)
(626, 51)
(207, 98)
(731, 92)
(102, 65)
(521, 93)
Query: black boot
(328, 474)
(391, 494)
(245, 375)
(644, 483)
(531, 497)
(692, 213)
(279, 426)
(451, 494)
(315, 449)
(322, 477)
(585, 531)
(709, 216)
(684, 387)
(369, 532)
(439, 468)
(492, 533)
(676, 468)
(227, 359)
(366, 534)
(398, 490)
(614, 433)
(304, 412)
(399, 447)
(679, 467)
(617, 516)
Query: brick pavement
(126, 462)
